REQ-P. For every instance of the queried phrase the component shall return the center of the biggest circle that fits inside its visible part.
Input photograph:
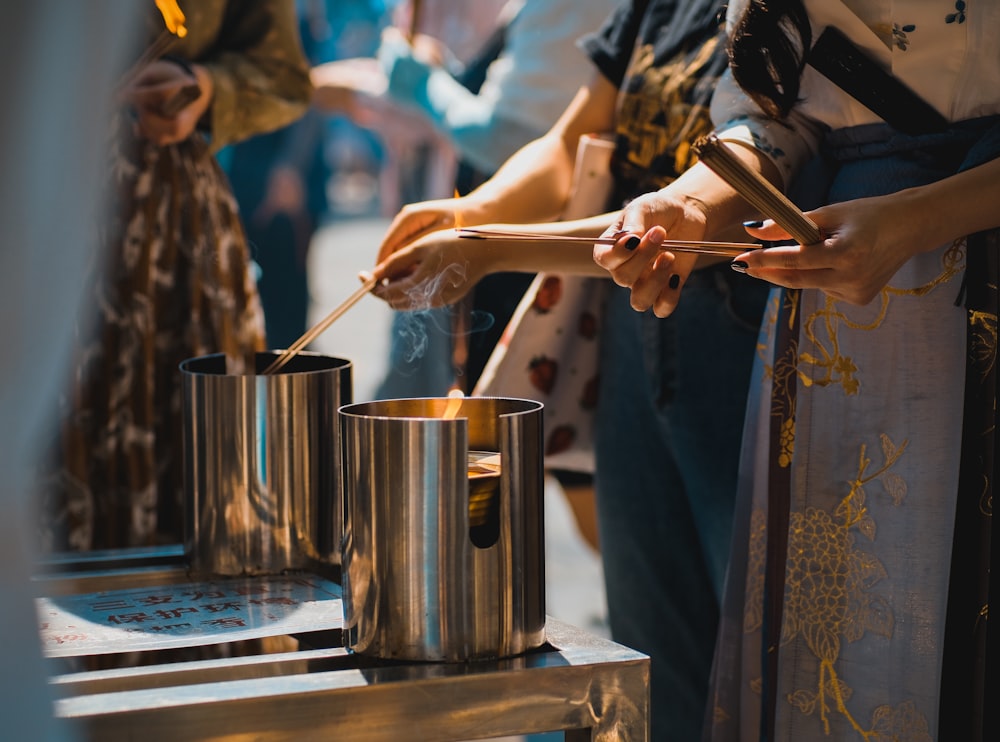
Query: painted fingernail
(739, 266)
(753, 225)
(674, 282)
(632, 243)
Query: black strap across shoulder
(852, 70)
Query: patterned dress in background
(174, 282)
(168, 293)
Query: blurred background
(318, 196)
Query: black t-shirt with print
(665, 58)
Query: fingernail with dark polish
(674, 282)
(739, 266)
(632, 243)
(753, 225)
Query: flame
(455, 216)
(173, 17)
(455, 397)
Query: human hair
(767, 53)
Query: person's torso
(678, 56)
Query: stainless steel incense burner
(262, 464)
(443, 553)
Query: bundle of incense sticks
(319, 328)
(726, 249)
(160, 46)
(756, 189)
(184, 96)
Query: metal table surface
(587, 686)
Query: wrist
(473, 211)
(917, 212)
(959, 205)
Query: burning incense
(451, 409)
(483, 469)
(703, 247)
(173, 17)
(320, 327)
(160, 46)
(756, 189)
(173, 20)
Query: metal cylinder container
(443, 557)
(262, 464)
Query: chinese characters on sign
(187, 615)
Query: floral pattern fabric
(870, 449)
(856, 562)
(175, 282)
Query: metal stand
(588, 687)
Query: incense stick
(154, 51)
(414, 25)
(319, 328)
(454, 404)
(703, 247)
(180, 100)
(756, 189)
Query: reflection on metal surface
(590, 687)
(438, 565)
(484, 486)
(262, 475)
(587, 686)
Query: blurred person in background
(510, 92)
(417, 161)
(281, 178)
(61, 60)
(175, 279)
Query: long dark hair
(767, 53)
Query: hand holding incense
(725, 249)
(173, 20)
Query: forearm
(956, 206)
(534, 184)
(476, 125)
(261, 80)
(571, 256)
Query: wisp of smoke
(413, 327)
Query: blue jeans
(669, 425)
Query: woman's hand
(636, 260)
(418, 219)
(439, 268)
(867, 241)
(155, 91)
